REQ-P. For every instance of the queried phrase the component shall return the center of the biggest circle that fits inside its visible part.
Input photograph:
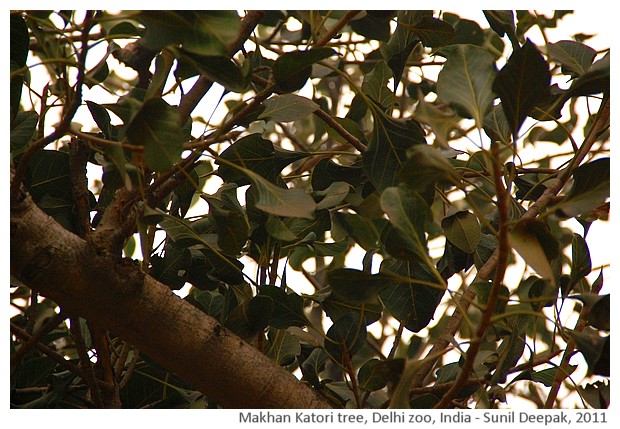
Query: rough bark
(119, 297)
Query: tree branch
(122, 299)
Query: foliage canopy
(349, 209)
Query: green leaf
(408, 213)
(413, 304)
(575, 57)
(522, 84)
(503, 22)
(371, 375)
(595, 80)
(171, 269)
(371, 26)
(257, 154)
(288, 308)
(218, 68)
(333, 195)
(496, 125)
(313, 366)
(433, 32)
(536, 245)
(597, 394)
(199, 32)
(545, 376)
(156, 126)
(292, 202)
(590, 189)
(397, 50)
(595, 349)
(211, 302)
(287, 108)
(231, 222)
(443, 122)
(463, 230)
(292, 69)
(581, 264)
(362, 230)
(387, 149)
(375, 85)
(260, 312)
(345, 338)
(466, 81)
(48, 173)
(282, 346)
(327, 172)
(22, 131)
(355, 286)
(426, 167)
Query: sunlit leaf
(463, 230)
(287, 108)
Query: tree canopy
(307, 209)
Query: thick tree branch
(120, 298)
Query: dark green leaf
(408, 213)
(581, 264)
(411, 303)
(595, 80)
(597, 394)
(292, 202)
(503, 22)
(433, 32)
(287, 108)
(199, 32)
(211, 302)
(590, 189)
(282, 346)
(258, 155)
(545, 376)
(288, 309)
(156, 126)
(364, 231)
(426, 167)
(496, 125)
(293, 69)
(345, 338)
(327, 172)
(20, 42)
(463, 230)
(99, 73)
(172, 267)
(387, 150)
(542, 293)
(375, 85)
(466, 31)
(599, 309)
(355, 286)
(371, 375)
(23, 131)
(260, 312)
(575, 57)
(522, 84)
(48, 173)
(219, 68)
(595, 350)
(397, 50)
(466, 81)
(313, 366)
(102, 119)
(372, 26)
(231, 223)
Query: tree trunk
(119, 297)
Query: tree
(415, 136)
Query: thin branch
(336, 28)
(563, 371)
(19, 332)
(503, 249)
(355, 142)
(67, 115)
(601, 124)
(89, 372)
(49, 326)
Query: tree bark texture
(119, 297)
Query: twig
(500, 270)
(397, 338)
(49, 326)
(67, 115)
(553, 187)
(19, 332)
(563, 372)
(89, 372)
(336, 28)
(355, 142)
